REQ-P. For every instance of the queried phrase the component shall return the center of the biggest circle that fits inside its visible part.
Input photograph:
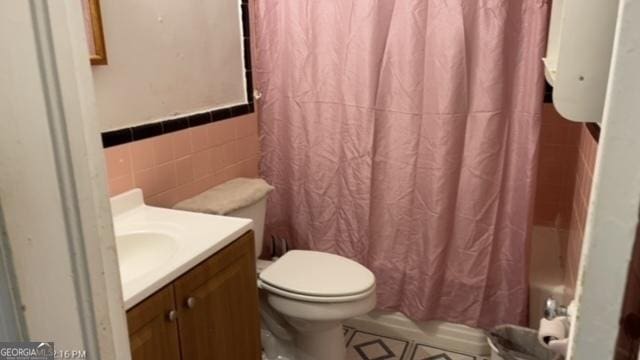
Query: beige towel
(227, 197)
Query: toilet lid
(318, 274)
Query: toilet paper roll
(559, 346)
(552, 330)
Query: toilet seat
(317, 277)
(316, 299)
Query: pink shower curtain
(403, 134)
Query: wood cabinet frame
(209, 312)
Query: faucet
(553, 310)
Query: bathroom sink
(142, 252)
(157, 245)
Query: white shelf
(578, 56)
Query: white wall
(53, 183)
(613, 207)
(168, 57)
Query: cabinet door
(218, 306)
(153, 331)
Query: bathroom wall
(176, 166)
(587, 148)
(565, 170)
(559, 140)
(168, 57)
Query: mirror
(95, 35)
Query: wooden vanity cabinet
(153, 330)
(215, 314)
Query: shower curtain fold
(403, 134)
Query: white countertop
(197, 237)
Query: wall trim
(147, 130)
(53, 98)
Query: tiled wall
(175, 166)
(587, 148)
(565, 170)
(559, 140)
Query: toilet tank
(255, 212)
(239, 197)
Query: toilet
(304, 295)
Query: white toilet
(305, 295)
(314, 309)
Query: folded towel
(227, 197)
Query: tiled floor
(362, 345)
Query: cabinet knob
(172, 315)
(191, 302)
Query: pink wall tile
(120, 184)
(164, 199)
(563, 219)
(229, 154)
(118, 161)
(166, 176)
(218, 160)
(230, 172)
(545, 213)
(247, 168)
(156, 180)
(565, 172)
(553, 134)
(549, 171)
(247, 147)
(222, 132)
(186, 191)
(181, 141)
(557, 161)
(147, 181)
(200, 137)
(583, 180)
(163, 149)
(203, 184)
(202, 164)
(176, 166)
(246, 125)
(172, 196)
(250, 167)
(184, 170)
(142, 155)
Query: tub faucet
(553, 310)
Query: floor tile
(366, 346)
(348, 331)
(426, 352)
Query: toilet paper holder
(552, 309)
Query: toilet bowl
(304, 295)
(314, 292)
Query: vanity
(189, 282)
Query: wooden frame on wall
(95, 33)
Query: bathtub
(546, 270)
(546, 279)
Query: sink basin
(156, 245)
(141, 252)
